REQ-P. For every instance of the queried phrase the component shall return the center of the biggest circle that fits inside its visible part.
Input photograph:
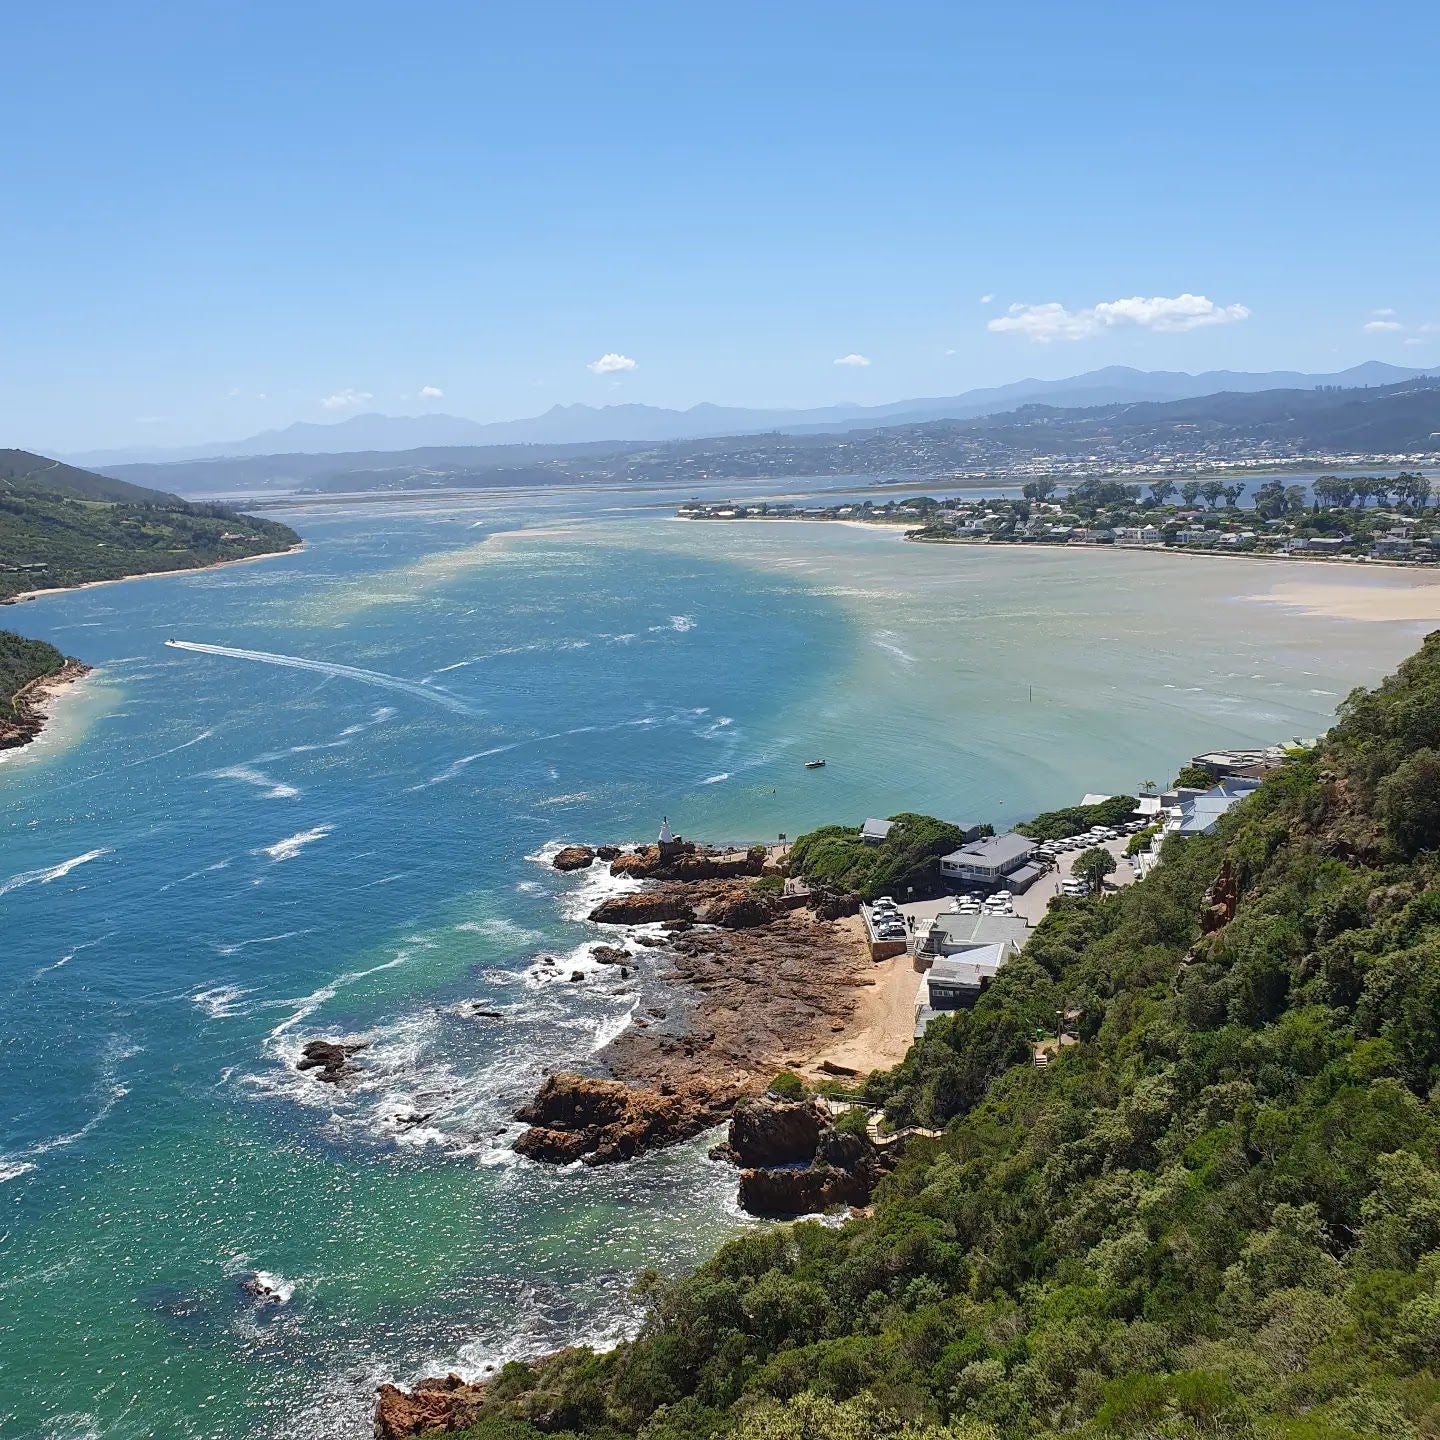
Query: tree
(1092, 866)
(1270, 500)
(1149, 787)
(1232, 494)
(1194, 777)
(1161, 490)
(1038, 489)
(1190, 491)
(1295, 501)
(1212, 490)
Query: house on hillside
(992, 862)
(956, 982)
(873, 832)
(1199, 813)
(952, 933)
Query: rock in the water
(607, 852)
(446, 1404)
(643, 908)
(575, 1116)
(574, 857)
(610, 954)
(776, 1132)
(329, 1057)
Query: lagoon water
(324, 819)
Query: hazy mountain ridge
(587, 424)
(1265, 424)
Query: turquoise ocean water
(333, 823)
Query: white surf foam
(716, 779)
(248, 775)
(237, 946)
(292, 845)
(221, 1000)
(51, 872)
(432, 693)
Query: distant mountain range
(1249, 426)
(580, 424)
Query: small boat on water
(814, 764)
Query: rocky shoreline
(794, 1159)
(756, 981)
(30, 705)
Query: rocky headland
(28, 707)
(754, 980)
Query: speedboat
(814, 764)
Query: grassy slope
(89, 527)
(1219, 1215)
(22, 661)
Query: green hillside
(1217, 1215)
(22, 661)
(62, 526)
(22, 471)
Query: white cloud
(858, 362)
(345, 399)
(1376, 325)
(1383, 313)
(431, 392)
(1052, 321)
(986, 299)
(1414, 339)
(611, 363)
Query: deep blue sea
(332, 822)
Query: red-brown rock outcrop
(644, 907)
(574, 857)
(576, 1117)
(767, 1132)
(688, 861)
(442, 1403)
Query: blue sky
(218, 217)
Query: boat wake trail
(432, 693)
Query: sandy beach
(1392, 598)
(882, 1026)
(149, 575)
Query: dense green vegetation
(22, 661)
(836, 856)
(1077, 819)
(1194, 777)
(1216, 1215)
(89, 527)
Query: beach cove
(241, 855)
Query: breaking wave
(51, 872)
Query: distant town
(1356, 517)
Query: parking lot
(1030, 906)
